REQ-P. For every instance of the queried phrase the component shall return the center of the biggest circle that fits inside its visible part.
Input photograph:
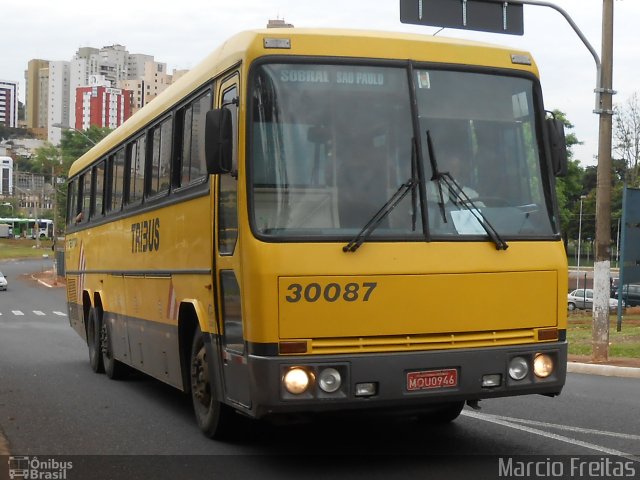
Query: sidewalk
(603, 369)
(48, 279)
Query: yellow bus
(315, 221)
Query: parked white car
(3, 282)
(583, 299)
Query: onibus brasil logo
(33, 468)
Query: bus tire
(214, 418)
(114, 369)
(93, 341)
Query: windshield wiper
(380, 215)
(461, 198)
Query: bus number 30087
(332, 292)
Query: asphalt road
(54, 407)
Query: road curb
(604, 370)
(44, 283)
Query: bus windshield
(331, 144)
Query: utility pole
(602, 264)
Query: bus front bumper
(403, 380)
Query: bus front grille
(441, 341)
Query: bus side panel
(74, 309)
(73, 258)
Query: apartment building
(36, 90)
(101, 106)
(84, 64)
(58, 100)
(8, 103)
(122, 76)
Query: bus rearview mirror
(218, 141)
(558, 143)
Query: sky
(182, 33)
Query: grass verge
(621, 344)
(11, 248)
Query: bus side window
(227, 203)
(117, 181)
(136, 155)
(193, 166)
(160, 139)
(72, 201)
(100, 174)
(85, 202)
(185, 154)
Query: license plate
(430, 379)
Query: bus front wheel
(441, 414)
(214, 418)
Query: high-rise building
(136, 64)
(140, 78)
(136, 87)
(35, 98)
(58, 101)
(113, 63)
(156, 80)
(149, 82)
(84, 64)
(8, 103)
(101, 106)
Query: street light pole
(67, 127)
(582, 197)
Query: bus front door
(234, 354)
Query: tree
(54, 162)
(626, 137)
(571, 187)
(46, 157)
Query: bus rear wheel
(93, 342)
(214, 418)
(114, 369)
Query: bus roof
(246, 46)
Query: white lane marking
(39, 313)
(626, 436)
(553, 436)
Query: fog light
(366, 389)
(296, 380)
(490, 381)
(543, 365)
(329, 380)
(518, 368)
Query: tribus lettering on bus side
(145, 236)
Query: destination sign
(370, 78)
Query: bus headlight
(297, 380)
(518, 368)
(543, 365)
(329, 380)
